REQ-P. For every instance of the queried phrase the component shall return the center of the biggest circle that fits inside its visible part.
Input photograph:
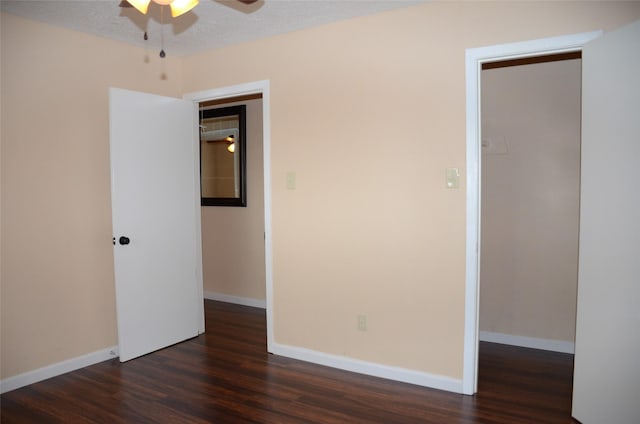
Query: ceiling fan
(178, 7)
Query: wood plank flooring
(226, 376)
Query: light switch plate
(291, 181)
(452, 177)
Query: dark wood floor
(226, 376)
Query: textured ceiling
(212, 24)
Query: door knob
(124, 240)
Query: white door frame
(256, 87)
(474, 59)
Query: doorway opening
(475, 58)
(250, 229)
(530, 186)
(233, 237)
(530, 202)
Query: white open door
(606, 386)
(155, 195)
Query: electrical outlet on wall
(362, 323)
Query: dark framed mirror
(223, 162)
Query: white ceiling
(212, 24)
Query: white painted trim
(198, 212)
(531, 342)
(370, 368)
(470, 364)
(246, 301)
(257, 87)
(59, 368)
(474, 60)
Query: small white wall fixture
(474, 59)
(256, 87)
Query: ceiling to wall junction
(212, 24)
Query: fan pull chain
(162, 53)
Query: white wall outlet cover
(362, 322)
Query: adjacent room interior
(530, 201)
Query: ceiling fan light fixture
(179, 7)
(141, 5)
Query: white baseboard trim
(59, 368)
(531, 342)
(246, 301)
(369, 368)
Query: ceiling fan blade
(247, 1)
(124, 3)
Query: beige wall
(57, 274)
(370, 228)
(232, 237)
(530, 199)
